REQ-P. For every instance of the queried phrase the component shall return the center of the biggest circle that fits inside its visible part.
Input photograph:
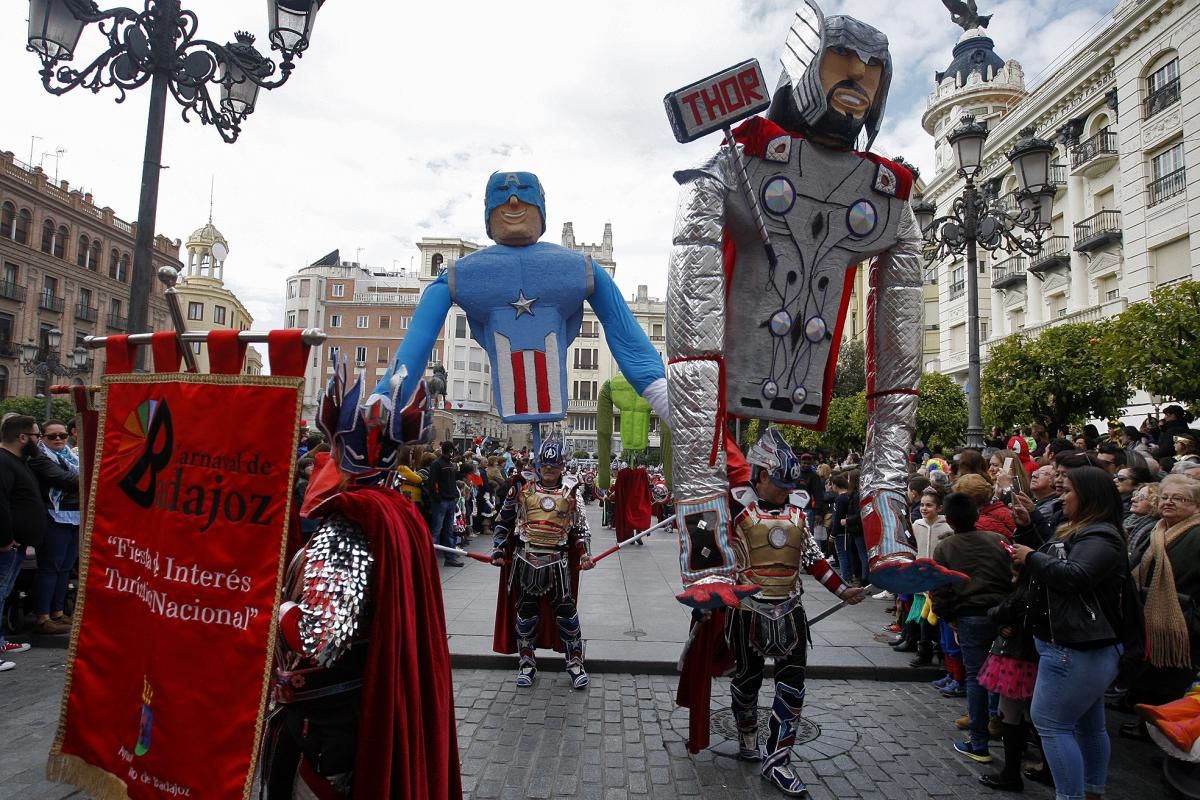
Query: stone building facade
(206, 303)
(66, 264)
(1123, 110)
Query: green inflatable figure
(635, 427)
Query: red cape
(407, 743)
(706, 657)
(633, 502)
(504, 634)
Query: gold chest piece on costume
(545, 515)
(772, 546)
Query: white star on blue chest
(523, 304)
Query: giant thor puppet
(766, 245)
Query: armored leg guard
(776, 765)
(572, 639)
(526, 637)
(745, 713)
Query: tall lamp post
(159, 46)
(977, 220)
(48, 365)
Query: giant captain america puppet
(524, 300)
(769, 234)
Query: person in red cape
(363, 706)
(542, 542)
(773, 548)
(633, 502)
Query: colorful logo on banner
(183, 550)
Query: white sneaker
(884, 596)
(5, 666)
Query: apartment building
(65, 264)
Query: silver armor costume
(768, 336)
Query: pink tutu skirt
(1008, 677)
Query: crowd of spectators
(457, 490)
(39, 527)
(1083, 552)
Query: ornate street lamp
(50, 364)
(975, 221)
(159, 46)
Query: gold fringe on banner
(98, 783)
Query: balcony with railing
(1162, 98)
(9, 349)
(1098, 230)
(1055, 252)
(958, 289)
(12, 291)
(1009, 272)
(117, 322)
(48, 302)
(1169, 185)
(86, 312)
(1058, 174)
(1095, 155)
(581, 405)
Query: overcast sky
(397, 114)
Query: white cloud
(398, 113)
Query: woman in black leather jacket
(1078, 581)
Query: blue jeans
(860, 550)
(975, 635)
(441, 525)
(55, 558)
(845, 567)
(10, 567)
(1068, 710)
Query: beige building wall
(65, 263)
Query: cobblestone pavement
(624, 738)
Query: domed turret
(974, 52)
(207, 250)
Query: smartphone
(1007, 468)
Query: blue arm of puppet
(640, 363)
(418, 343)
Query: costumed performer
(773, 546)
(827, 209)
(362, 704)
(542, 542)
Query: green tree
(32, 406)
(845, 429)
(850, 375)
(941, 411)
(1057, 379)
(1153, 345)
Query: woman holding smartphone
(1078, 581)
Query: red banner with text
(182, 556)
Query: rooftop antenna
(212, 184)
(358, 255)
(32, 141)
(57, 156)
